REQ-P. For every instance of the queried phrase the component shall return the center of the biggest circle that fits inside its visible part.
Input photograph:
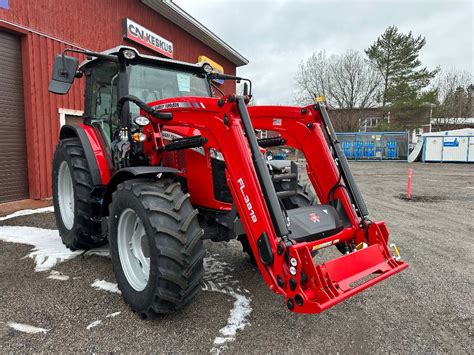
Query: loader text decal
(139, 34)
(253, 217)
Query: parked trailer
(449, 146)
(374, 145)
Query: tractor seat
(313, 223)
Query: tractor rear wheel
(72, 187)
(156, 247)
(304, 197)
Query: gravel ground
(427, 308)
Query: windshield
(151, 83)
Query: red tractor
(160, 164)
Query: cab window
(103, 105)
(155, 83)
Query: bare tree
(454, 95)
(312, 78)
(347, 81)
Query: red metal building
(32, 32)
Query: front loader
(161, 163)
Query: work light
(207, 68)
(129, 54)
(141, 121)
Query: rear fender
(132, 173)
(99, 166)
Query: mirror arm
(106, 57)
(220, 76)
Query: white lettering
(253, 217)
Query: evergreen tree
(395, 55)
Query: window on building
(372, 121)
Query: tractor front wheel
(156, 247)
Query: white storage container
(449, 146)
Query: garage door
(13, 167)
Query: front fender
(132, 173)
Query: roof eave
(179, 17)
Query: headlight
(207, 68)
(141, 121)
(139, 137)
(129, 54)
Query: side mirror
(246, 89)
(64, 72)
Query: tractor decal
(253, 217)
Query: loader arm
(286, 263)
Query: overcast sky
(275, 36)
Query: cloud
(277, 35)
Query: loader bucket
(331, 282)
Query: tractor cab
(145, 77)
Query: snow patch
(106, 285)
(48, 249)
(112, 315)
(217, 278)
(56, 275)
(27, 212)
(26, 328)
(93, 324)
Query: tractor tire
(304, 197)
(156, 247)
(72, 186)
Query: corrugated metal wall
(43, 116)
(96, 25)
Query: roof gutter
(179, 17)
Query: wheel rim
(133, 249)
(66, 195)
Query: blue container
(357, 150)
(369, 150)
(392, 150)
(347, 149)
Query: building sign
(139, 34)
(216, 66)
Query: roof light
(207, 68)
(129, 54)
